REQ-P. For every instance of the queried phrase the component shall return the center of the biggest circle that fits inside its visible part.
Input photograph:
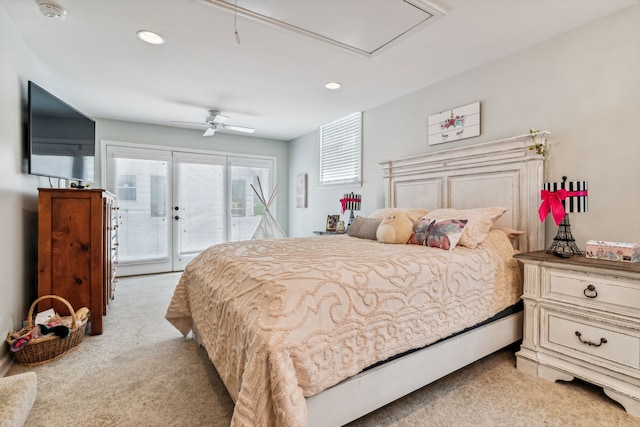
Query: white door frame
(180, 259)
(232, 158)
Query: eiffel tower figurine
(564, 244)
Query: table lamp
(351, 202)
(562, 198)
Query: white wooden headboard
(498, 173)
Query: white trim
(434, 9)
(169, 154)
(5, 365)
(171, 148)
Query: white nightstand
(582, 319)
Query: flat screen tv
(61, 140)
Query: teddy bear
(396, 227)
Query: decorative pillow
(420, 230)
(479, 222)
(444, 234)
(412, 212)
(364, 228)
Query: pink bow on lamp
(552, 201)
(347, 200)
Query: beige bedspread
(285, 319)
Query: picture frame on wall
(332, 222)
(454, 124)
(301, 190)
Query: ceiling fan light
(150, 37)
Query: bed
(306, 331)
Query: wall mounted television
(61, 140)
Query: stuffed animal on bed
(396, 227)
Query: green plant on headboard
(538, 146)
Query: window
(127, 187)
(158, 191)
(340, 150)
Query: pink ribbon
(347, 200)
(552, 201)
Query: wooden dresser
(77, 249)
(582, 319)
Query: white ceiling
(274, 79)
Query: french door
(173, 205)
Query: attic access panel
(362, 26)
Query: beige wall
(582, 86)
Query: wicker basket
(47, 349)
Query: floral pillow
(444, 234)
(479, 222)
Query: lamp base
(351, 218)
(564, 244)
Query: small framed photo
(332, 222)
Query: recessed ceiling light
(150, 37)
(333, 85)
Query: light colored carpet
(142, 372)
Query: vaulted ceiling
(271, 75)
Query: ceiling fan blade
(191, 123)
(239, 128)
(209, 132)
(219, 119)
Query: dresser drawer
(589, 339)
(593, 290)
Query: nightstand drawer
(592, 289)
(588, 339)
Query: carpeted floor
(142, 372)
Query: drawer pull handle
(592, 291)
(602, 340)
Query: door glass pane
(201, 203)
(141, 187)
(246, 208)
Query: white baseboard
(5, 364)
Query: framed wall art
(301, 190)
(452, 125)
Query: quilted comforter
(284, 319)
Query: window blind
(340, 150)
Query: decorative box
(613, 251)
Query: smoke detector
(51, 9)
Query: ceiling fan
(216, 122)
